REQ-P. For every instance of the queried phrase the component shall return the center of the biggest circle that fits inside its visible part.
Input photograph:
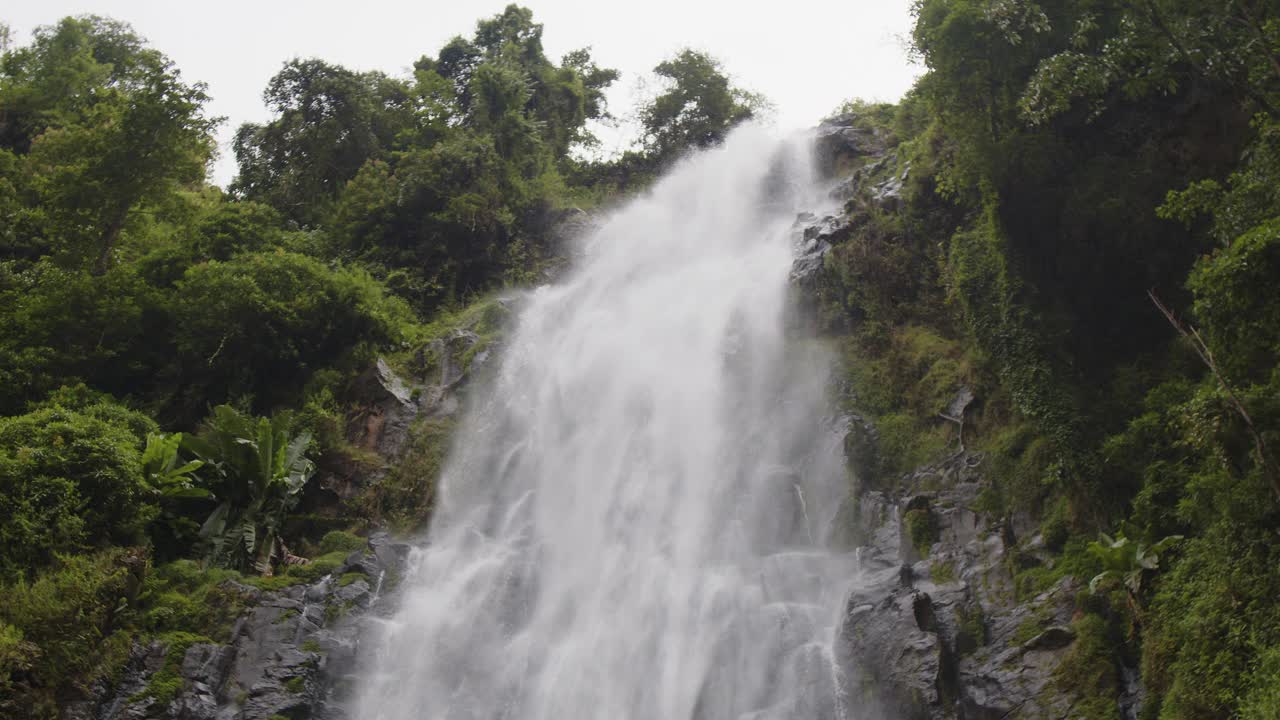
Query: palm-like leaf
(262, 471)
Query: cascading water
(631, 524)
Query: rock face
(812, 238)
(288, 656)
(842, 139)
(932, 630)
(387, 405)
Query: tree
(255, 327)
(436, 222)
(329, 122)
(698, 108)
(557, 100)
(1160, 47)
(106, 125)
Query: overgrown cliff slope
(1052, 284)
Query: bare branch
(1269, 467)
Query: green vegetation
(1069, 164)
(971, 628)
(1089, 672)
(405, 497)
(336, 541)
(261, 469)
(921, 525)
(178, 361)
(165, 685)
(68, 622)
(942, 571)
(70, 480)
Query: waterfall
(631, 522)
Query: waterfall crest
(632, 521)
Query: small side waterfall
(631, 522)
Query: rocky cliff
(937, 626)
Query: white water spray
(630, 526)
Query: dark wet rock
(813, 237)
(390, 407)
(840, 140)
(1053, 638)
(284, 656)
(937, 637)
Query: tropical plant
(160, 465)
(258, 468)
(1127, 561)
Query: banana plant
(1127, 561)
(261, 469)
(166, 477)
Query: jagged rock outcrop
(933, 629)
(386, 405)
(840, 140)
(812, 238)
(284, 657)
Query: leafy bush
(1236, 300)
(921, 525)
(258, 325)
(183, 596)
(69, 480)
(1262, 702)
(66, 625)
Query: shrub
(182, 596)
(922, 526)
(341, 541)
(259, 324)
(65, 626)
(69, 479)
(260, 468)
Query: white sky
(806, 56)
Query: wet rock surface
(841, 139)
(292, 654)
(936, 632)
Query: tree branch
(1269, 467)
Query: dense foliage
(1062, 164)
(1089, 220)
(178, 362)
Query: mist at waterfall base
(632, 521)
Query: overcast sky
(806, 56)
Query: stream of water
(632, 523)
